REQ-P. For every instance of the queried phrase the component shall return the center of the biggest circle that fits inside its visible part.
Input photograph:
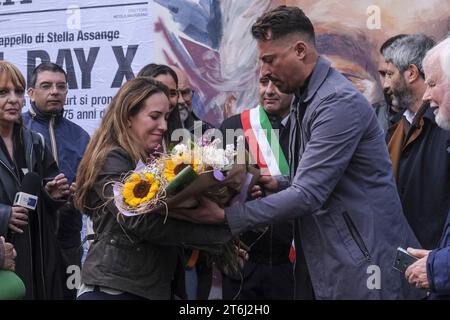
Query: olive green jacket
(137, 254)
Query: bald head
(183, 80)
(184, 89)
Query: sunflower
(140, 188)
(171, 168)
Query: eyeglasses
(173, 93)
(187, 93)
(47, 86)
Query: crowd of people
(357, 181)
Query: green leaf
(182, 179)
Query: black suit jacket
(273, 246)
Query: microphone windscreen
(31, 183)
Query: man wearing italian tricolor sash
(263, 142)
(268, 274)
(341, 190)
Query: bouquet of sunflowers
(140, 190)
(174, 180)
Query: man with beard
(392, 105)
(420, 162)
(340, 189)
(432, 271)
(189, 120)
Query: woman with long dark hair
(131, 257)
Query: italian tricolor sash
(264, 143)
(264, 146)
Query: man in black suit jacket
(268, 273)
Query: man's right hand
(10, 255)
(269, 183)
(18, 219)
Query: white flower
(181, 154)
(229, 151)
(213, 157)
(207, 155)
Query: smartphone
(403, 260)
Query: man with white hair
(421, 166)
(437, 69)
(432, 271)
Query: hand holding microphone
(18, 219)
(25, 200)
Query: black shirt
(18, 163)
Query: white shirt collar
(409, 115)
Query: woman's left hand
(59, 187)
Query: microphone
(28, 196)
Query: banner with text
(100, 45)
